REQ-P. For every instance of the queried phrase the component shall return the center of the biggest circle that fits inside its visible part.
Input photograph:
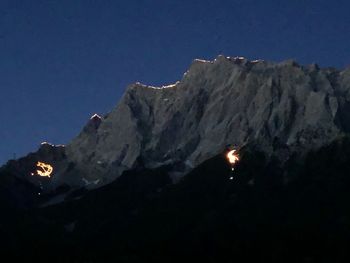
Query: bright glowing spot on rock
(45, 169)
(232, 157)
(231, 178)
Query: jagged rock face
(220, 102)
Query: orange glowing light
(232, 157)
(46, 169)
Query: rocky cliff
(228, 101)
(279, 108)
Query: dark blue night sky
(61, 61)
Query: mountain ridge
(279, 108)
(155, 112)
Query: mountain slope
(142, 217)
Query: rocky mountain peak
(93, 124)
(216, 103)
(279, 108)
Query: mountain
(217, 103)
(278, 108)
(150, 181)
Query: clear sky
(61, 61)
